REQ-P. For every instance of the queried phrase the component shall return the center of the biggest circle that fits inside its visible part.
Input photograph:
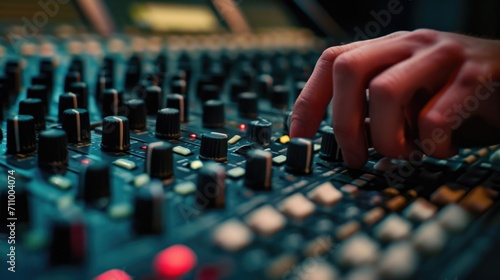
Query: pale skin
(420, 83)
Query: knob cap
(81, 91)
(259, 131)
(237, 86)
(299, 156)
(21, 134)
(153, 99)
(103, 82)
(209, 92)
(95, 184)
(52, 148)
(66, 101)
(40, 92)
(213, 114)
(279, 97)
(213, 147)
(287, 119)
(33, 107)
(115, 134)
(179, 102)
(76, 123)
(71, 77)
(168, 124)
(67, 246)
(211, 186)
(136, 114)
(178, 85)
(112, 102)
(148, 209)
(248, 105)
(264, 85)
(258, 173)
(159, 160)
(330, 150)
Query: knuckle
(430, 120)
(425, 36)
(384, 88)
(345, 64)
(468, 77)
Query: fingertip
(354, 160)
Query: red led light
(85, 161)
(144, 147)
(175, 261)
(192, 136)
(113, 274)
(243, 126)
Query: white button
(266, 220)
(325, 195)
(141, 180)
(392, 228)
(399, 261)
(429, 238)
(126, 164)
(297, 207)
(185, 188)
(357, 251)
(181, 151)
(232, 236)
(320, 270)
(60, 182)
(420, 210)
(234, 139)
(236, 173)
(279, 159)
(454, 218)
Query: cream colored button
(429, 238)
(181, 151)
(236, 172)
(358, 250)
(454, 218)
(279, 159)
(393, 228)
(320, 271)
(297, 207)
(325, 195)
(399, 261)
(232, 236)
(266, 220)
(420, 210)
(234, 139)
(124, 163)
(185, 188)
(60, 182)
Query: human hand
(429, 92)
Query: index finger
(311, 104)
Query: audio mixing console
(140, 158)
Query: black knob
(136, 114)
(179, 102)
(330, 150)
(132, 75)
(287, 118)
(76, 65)
(115, 134)
(103, 82)
(159, 160)
(76, 123)
(21, 134)
(211, 186)
(279, 97)
(81, 91)
(247, 105)
(33, 107)
(52, 148)
(236, 87)
(67, 101)
(213, 114)
(178, 86)
(209, 92)
(68, 242)
(152, 99)
(213, 147)
(47, 71)
(41, 79)
(112, 102)
(95, 186)
(259, 131)
(40, 92)
(148, 209)
(264, 85)
(13, 75)
(71, 77)
(168, 124)
(259, 170)
(299, 156)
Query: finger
(392, 92)
(447, 111)
(311, 104)
(352, 73)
